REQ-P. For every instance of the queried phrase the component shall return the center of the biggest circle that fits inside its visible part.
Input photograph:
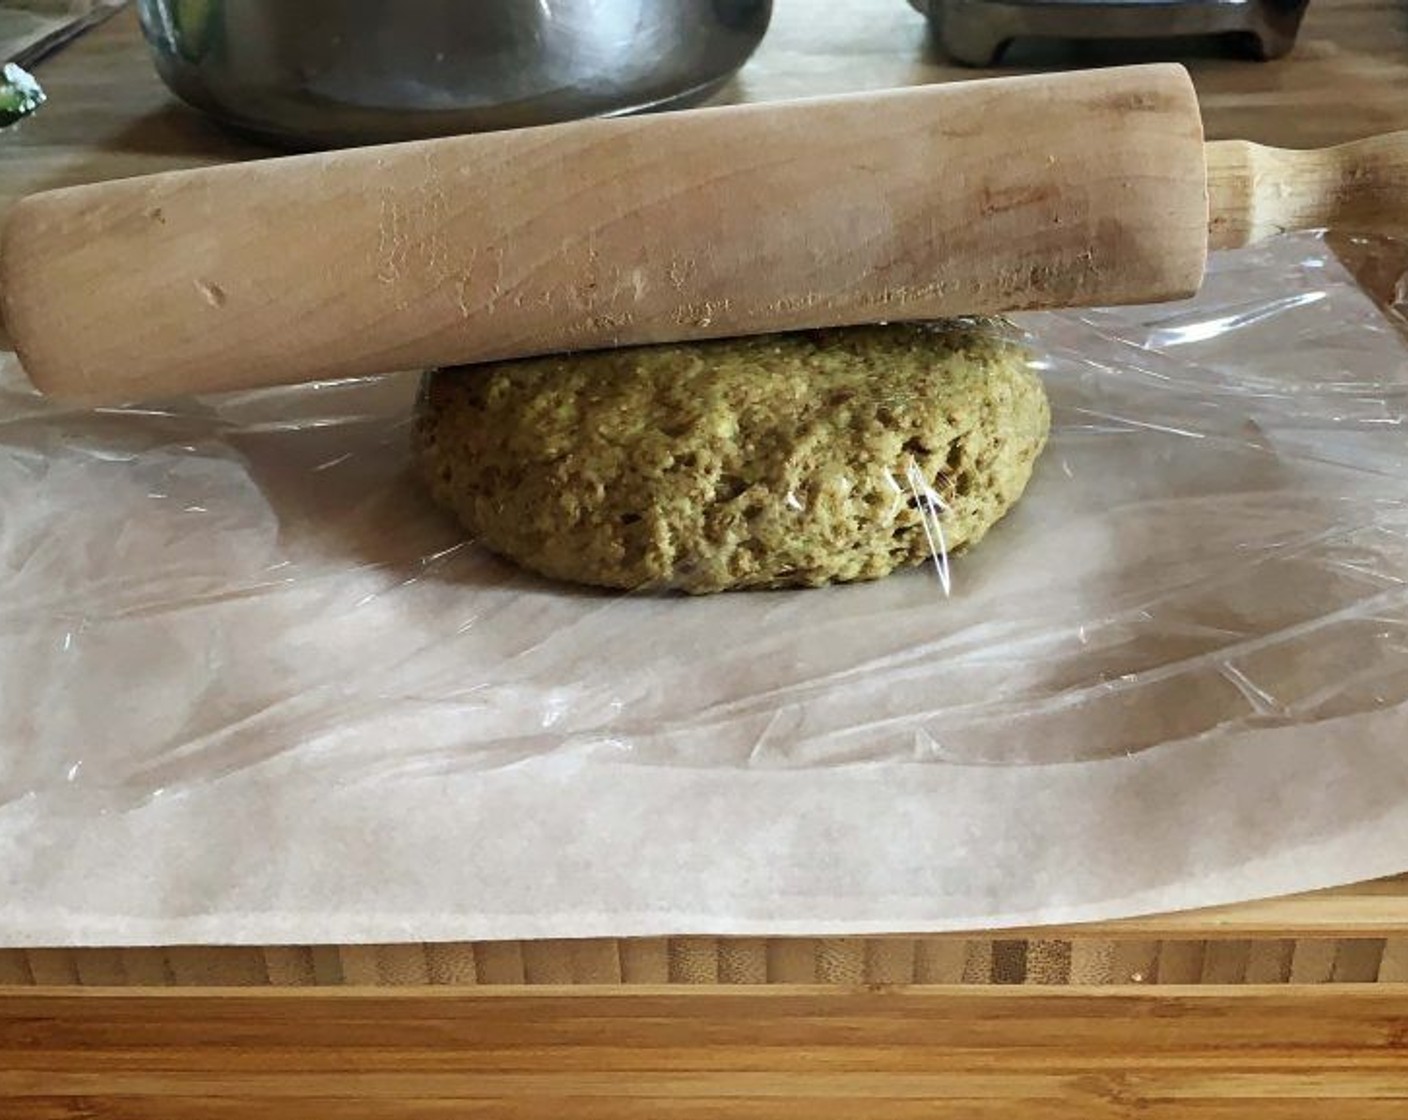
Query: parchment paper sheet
(253, 689)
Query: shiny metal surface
(335, 72)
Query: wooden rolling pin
(986, 196)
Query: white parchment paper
(254, 689)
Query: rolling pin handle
(1255, 192)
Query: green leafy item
(20, 94)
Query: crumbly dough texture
(779, 461)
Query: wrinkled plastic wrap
(254, 688)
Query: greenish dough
(780, 461)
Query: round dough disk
(777, 461)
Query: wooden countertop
(935, 1054)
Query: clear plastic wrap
(236, 625)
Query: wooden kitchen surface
(1301, 1009)
(761, 1054)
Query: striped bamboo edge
(1352, 934)
(703, 960)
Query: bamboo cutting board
(1349, 935)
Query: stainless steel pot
(336, 72)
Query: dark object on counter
(977, 32)
(327, 73)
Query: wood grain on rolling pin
(1062, 189)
